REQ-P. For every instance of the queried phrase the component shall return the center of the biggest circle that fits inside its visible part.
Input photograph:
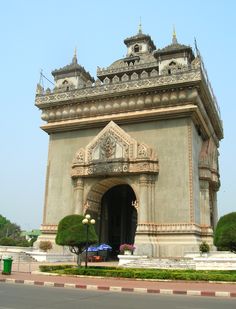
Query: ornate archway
(112, 159)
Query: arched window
(66, 85)
(136, 48)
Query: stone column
(152, 214)
(143, 198)
(205, 203)
(214, 208)
(145, 239)
(79, 196)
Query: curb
(121, 289)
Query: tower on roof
(139, 43)
(71, 76)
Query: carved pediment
(113, 151)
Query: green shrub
(225, 233)
(22, 243)
(7, 241)
(72, 232)
(161, 274)
(204, 247)
(49, 268)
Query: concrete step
(161, 264)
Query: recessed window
(172, 63)
(136, 48)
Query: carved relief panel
(113, 151)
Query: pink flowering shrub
(129, 247)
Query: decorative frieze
(127, 68)
(99, 89)
(118, 105)
(175, 228)
(152, 228)
(49, 228)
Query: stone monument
(137, 148)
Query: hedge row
(192, 275)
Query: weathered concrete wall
(170, 139)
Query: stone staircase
(19, 256)
(161, 263)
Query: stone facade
(149, 126)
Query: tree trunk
(79, 260)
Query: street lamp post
(87, 221)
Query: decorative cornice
(94, 92)
(49, 228)
(173, 228)
(125, 117)
(134, 93)
(153, 228)
(210, 175)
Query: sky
(42, 34)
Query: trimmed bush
(225, 233)
(72, 232)
(204, 247)
(161, 274)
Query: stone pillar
(205, 203)
(145, 238)
(152, 214)
(143, 199)
(214, 208)
(79, 196)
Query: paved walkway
(123, 285)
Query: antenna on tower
(41, 78)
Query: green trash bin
(7, 264)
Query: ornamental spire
(74, 60)
(140, 27)
(174, 38)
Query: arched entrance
(118, 217)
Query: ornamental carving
(108, 148)
(208, 163)
(114, 152)
(99, 88)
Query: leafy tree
(8, 229)
(7, 241)
(10, 234)
(72, 232)
(225, 233)
(3, 221)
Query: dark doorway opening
(118, 217)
